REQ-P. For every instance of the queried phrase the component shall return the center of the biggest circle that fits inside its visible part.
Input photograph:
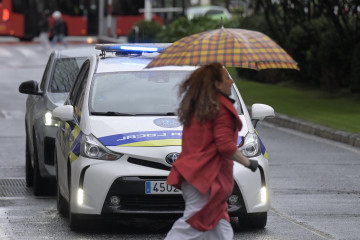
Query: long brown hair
(200, 94)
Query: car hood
(140, 131)
(142, 139)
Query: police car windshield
(137, 93)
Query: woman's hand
(240, 158)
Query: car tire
(61, 203)
(253, 220)
(39, 187)
(29, 171)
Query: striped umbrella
(232, 47)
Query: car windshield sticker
(167, 122)
(144, 139)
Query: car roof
(83, 51)
(133, 63)
(128, 60)
(202, 10)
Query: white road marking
(303, 225)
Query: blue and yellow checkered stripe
(144, 139)
(262, 146)
(71, 140)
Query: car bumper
(46, 139)
(100, 180)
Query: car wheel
(253, 220)
(61, 203)
(29, 171)
(74, 219)
(39, 182)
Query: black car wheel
(253, 220)
(61, 203)
(39, 187)
(29, 171)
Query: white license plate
(160, 187)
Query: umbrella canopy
(231, 47)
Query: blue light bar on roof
(132, 48)
(140, 49)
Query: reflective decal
(240, 140)
(144, 139)
(167, 122)
(262, 146)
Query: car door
(69, 135)
(35, 105)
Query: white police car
(118, 136)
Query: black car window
(46, 72)
(214, 12)
(79, 97)
(77, 92)
(64, 74)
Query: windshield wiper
(111, 114)
(156, 114)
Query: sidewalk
(352, 139)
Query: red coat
(205, 163)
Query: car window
(214, 11)
(64, 74)
(77, 91)
(79, 82)
(145, 92)
(237, 104)
(79, 97)
(46, 72)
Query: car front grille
(151, 203)
(147, 163)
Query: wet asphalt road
(315, 182)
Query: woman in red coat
(204, 169)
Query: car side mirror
(29, 87)
(261, 111)
(63, 113)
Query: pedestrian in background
(44, 30)
(204, 169)
(58, 29)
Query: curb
(352, 139)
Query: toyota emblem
(171, 157)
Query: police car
(119, 135)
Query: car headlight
(48, 121)
(93, 148)
(251, 146)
